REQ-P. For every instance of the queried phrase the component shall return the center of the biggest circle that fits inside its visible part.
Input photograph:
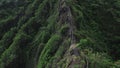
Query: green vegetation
(59, 34)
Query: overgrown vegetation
(59, 34)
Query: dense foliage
(59, 33)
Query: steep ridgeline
(66, 17)
(59, 33)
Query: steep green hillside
(59, 33)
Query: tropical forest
(59, 33)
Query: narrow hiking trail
(66, 17)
